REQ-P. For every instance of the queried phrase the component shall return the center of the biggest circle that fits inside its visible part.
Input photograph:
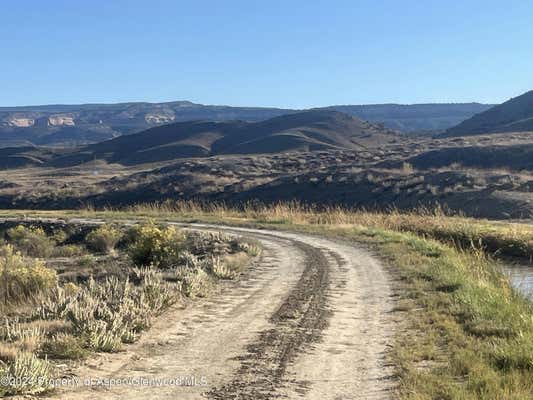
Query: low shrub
(231, 265)
(210, 243)
(195, 258)
(219, 244)
(21, 277)
(106, 314)
(153, 245)
(27, 337)
(69, 250)
(169, 247)
(87, 260)
(64, 346)
(222, 270)
(103, 239)
(31, 241)
(195, 282)
(250, 247)
(113, 312)
(56, 304)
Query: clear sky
(264, 53)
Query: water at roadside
(521, 277)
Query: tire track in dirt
(298, 322)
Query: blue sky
(265, 53)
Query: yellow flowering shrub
(155, 245)
(32, 241)
(22, 277)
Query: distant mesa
(52, 120)
(74, 125)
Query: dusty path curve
(311, 319)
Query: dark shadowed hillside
(353, 163)
(515, 115)
(518, 157)
(306, 131)
(16, 157)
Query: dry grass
(8, 352)
(499, 239)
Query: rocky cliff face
(61, 120)
(159, 118)
(20, 122)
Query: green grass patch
(468, 334)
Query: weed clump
(69, 250)
(106, 314)
(31, 241)
(103, 239)
(64, 346)
(26, 375)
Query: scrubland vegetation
(466, 334)
(52, 312)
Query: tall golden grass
(498, 238)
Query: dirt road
(311, 319)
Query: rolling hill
(306, 131)
(75, 125)
(318, 156)
(515, 115)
